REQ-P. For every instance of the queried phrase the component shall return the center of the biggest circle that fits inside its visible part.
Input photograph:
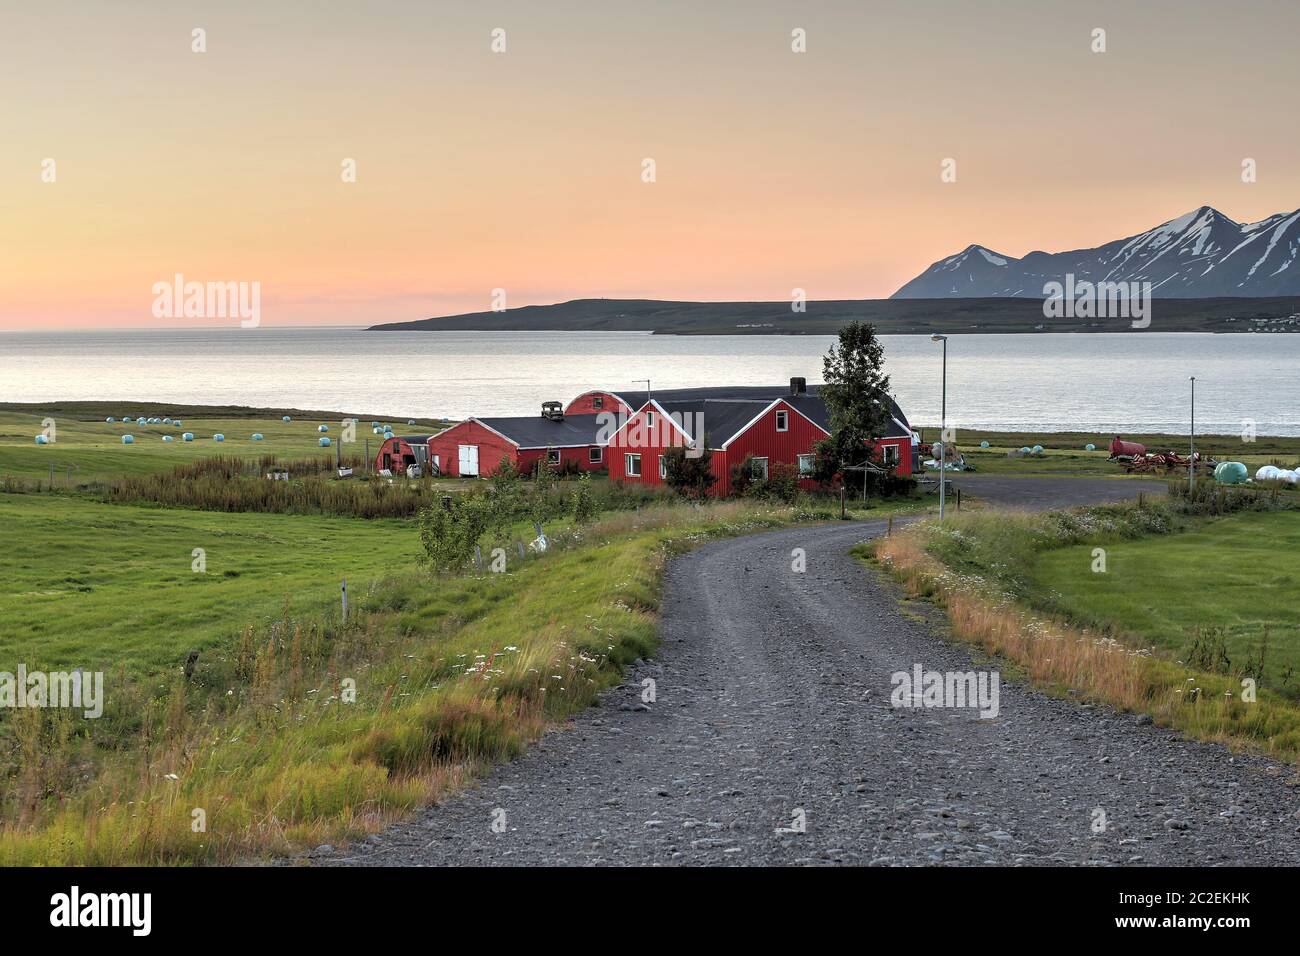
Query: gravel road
(773, 707)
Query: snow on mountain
(1200, 254)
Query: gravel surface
(1042, 493)
(773, 705)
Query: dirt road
(772, 740)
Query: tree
(856, 396)
(584, 505)
(687, 475)
(449, 533)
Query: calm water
(1107, 383)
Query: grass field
(449, 672)
(88, 449)
(1240, 573)
(103, 586)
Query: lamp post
(1191, 464)
(943, 420)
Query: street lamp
(943, 419)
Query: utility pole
(1191, 464)
(943, 421)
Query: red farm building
(630, 432)
(476, 446)
(601, 400)
(768, 424)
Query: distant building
(630, 433)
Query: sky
(524, 170)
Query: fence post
(345, 599)
(478, 558)
(841, 501)
(889, 527)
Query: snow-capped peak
(1198, 254)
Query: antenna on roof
(647, 387)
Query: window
(663, 468)
(889, 454)
(649, 419)
(632, 465)
(806, 463)
(552, 456)
(598, 401)
(782, 420)
(593, 454)
(760, 469)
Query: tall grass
(975, 567)
(264, 740)
(233, 484)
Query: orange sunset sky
(522, 169)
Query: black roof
(726, 409)
(416, 439)
(534, 431)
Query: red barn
(595, 402)
(475, 447)
(769, 425)
(397, 453)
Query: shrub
(689, 475)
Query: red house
(475, 447)
(769, 425)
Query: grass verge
(311, 728)
(980, 568)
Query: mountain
(890, 316)
(1202, 254)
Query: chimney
(553, 410)
(798, 386)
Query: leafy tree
(506, 492)
(584, 506)
(542, 503)
(856, 395)
(449, 533)
(687, 475)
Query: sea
(1104, 383)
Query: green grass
(1181, 571)
(94, 450)
(101, 586)
(451, 673)
(1240, 573)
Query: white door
(468, 461)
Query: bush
(215, 489)
(689, 475)
(781, 483)
(742, 477)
